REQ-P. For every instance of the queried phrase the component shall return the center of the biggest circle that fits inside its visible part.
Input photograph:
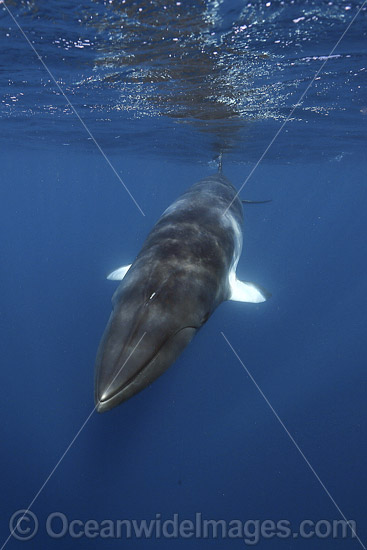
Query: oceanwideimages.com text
(24, 525)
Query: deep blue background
(201, 438)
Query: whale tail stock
(220, 172)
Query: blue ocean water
(163, 88)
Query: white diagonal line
(49, 477)
(299, 102)
(294, 441)
(73, 109)
(124, 363)
(66, 451)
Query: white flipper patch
(119, 273)
(246, 292)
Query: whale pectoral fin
(119, 273)
(247, 292)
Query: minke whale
(185, 269)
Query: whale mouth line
(109, 402)
(113, 396)
(128, 382)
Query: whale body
(185, 269)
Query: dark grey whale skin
(177, 280)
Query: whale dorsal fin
(247, 292)
(119, 273)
